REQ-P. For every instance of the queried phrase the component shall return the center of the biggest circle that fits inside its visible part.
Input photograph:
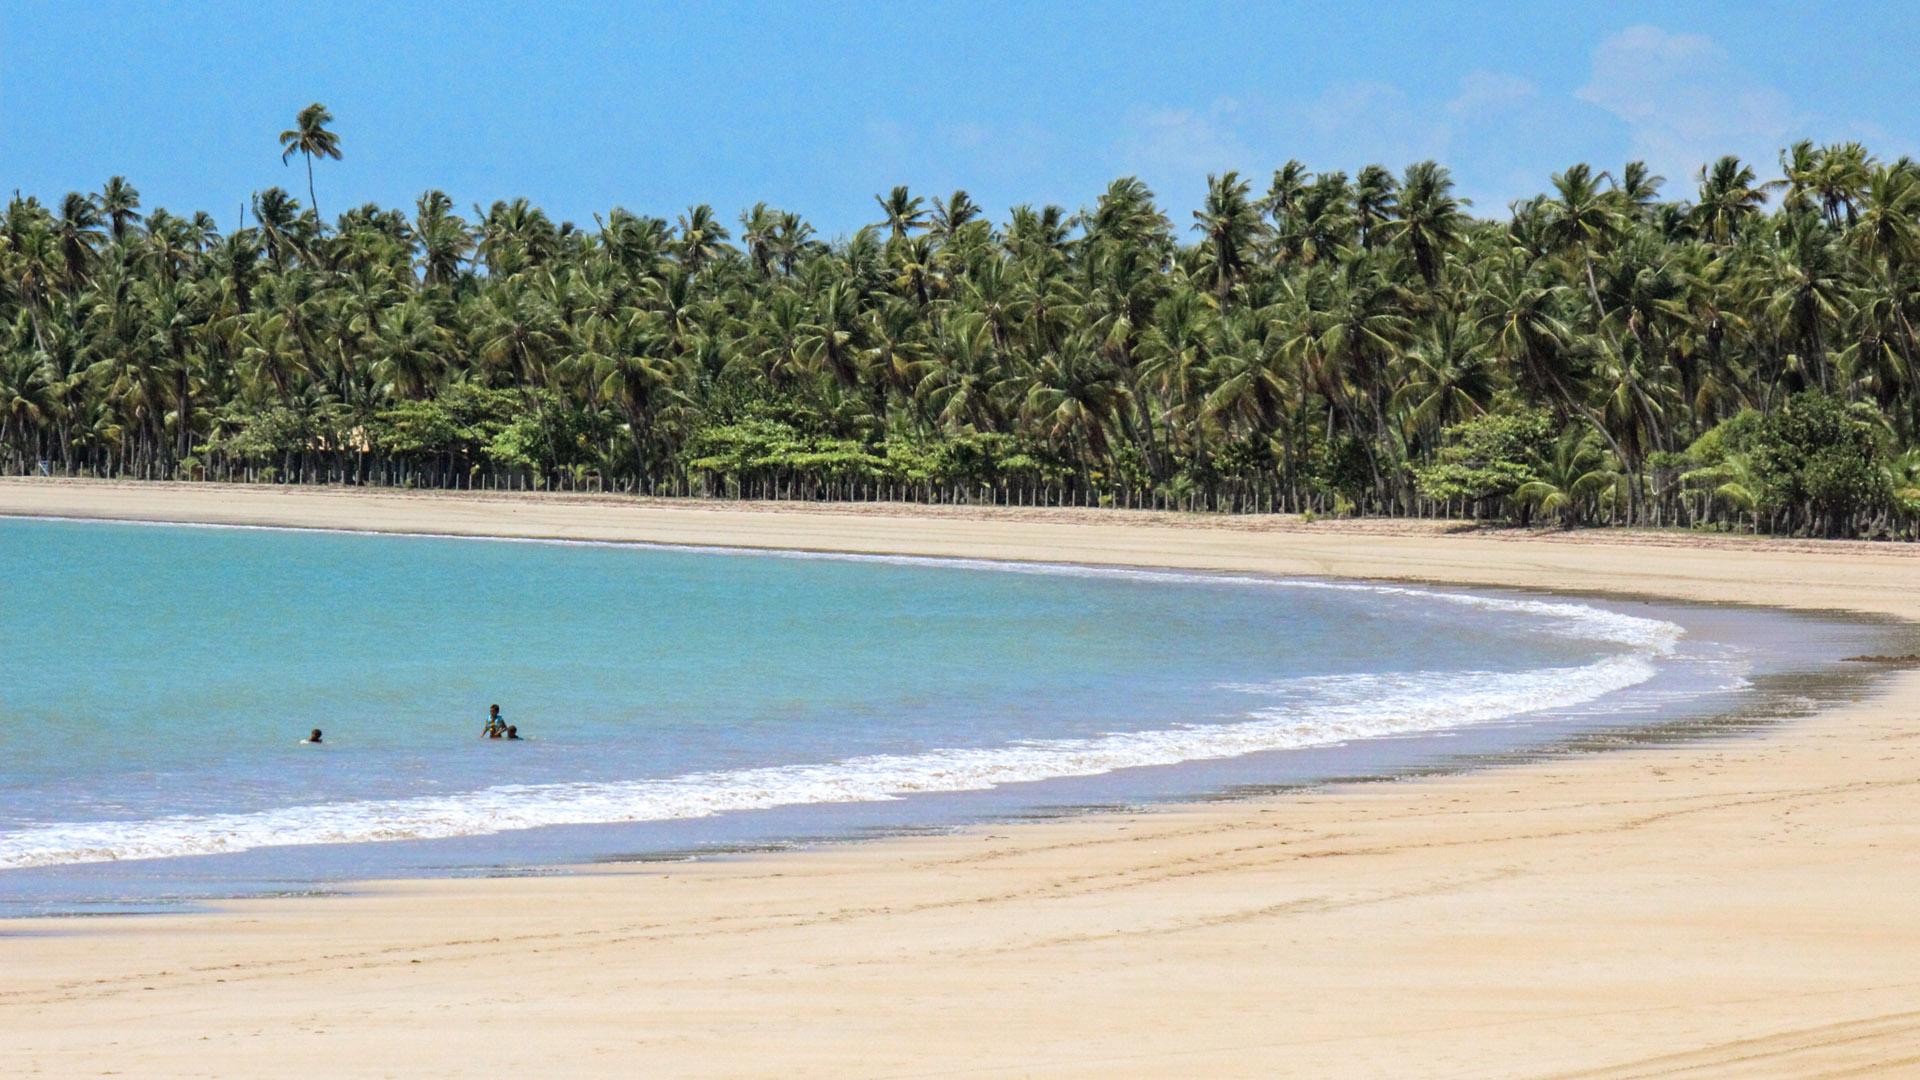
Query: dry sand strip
(1869, 577)
(1730, 908)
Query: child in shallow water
(496, 727)
(513, 733)
(313, 738)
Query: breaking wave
(1289, 714)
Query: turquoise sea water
(155, 682)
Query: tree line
(1329, 343)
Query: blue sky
(584, 106)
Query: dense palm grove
(1331, 344)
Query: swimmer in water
(496, 727)
(513, 733)
(313, 738)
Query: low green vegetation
(1742, 358)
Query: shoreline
(1737, 904)
(1867, 577)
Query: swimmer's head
(315, 737)
(512, 732)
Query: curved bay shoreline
(1708, 908)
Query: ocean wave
(1300, 713)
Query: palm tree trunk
(181, 390)
(639, 442)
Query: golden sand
(1742, 907)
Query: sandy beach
(1735, 907)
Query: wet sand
(1731, 907)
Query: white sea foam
(1337, 709)
(1298, 713)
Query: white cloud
(1355, 123)
(1350, 106)
(1484, 94)
(1183, 141)
(1685, 103)
(1675, 101)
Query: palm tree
(1230, 222)
(440, 238)
(278, 214)
(310, 138)
(1330, 339)
(758, 229)
(1430, 221)
(961, 375)
(949, 215)
(904, 212)
(831, 341)
(412, 346)
(793, 238)
(918, 268)
(25, 399)
(1728, 198)
(1321, 221)
(1574, 470)
(120, 201)
(1840, 181)
(702, 238)
(1126, 217)
(635, 372)
(1808, 293)
(1283, 195)
(1639, 187)
(1581, 217)
(1375, 198)
(1071, 399)
(79, 232)
(1451, 377)
(1251, 373)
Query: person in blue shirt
(496, 727)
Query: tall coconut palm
(1335, 336)
(1581, 217)
(1071, 399)
(1840, 181)
(904, 211)
(1639, 187)
(831, 340)
(635, 372)
(1729, 197)
(758, 229)
(793, 239)
(1376, 196)
(310, 138)
(1430, 220)
(1451, 377)
(702, 238)
(440, 238)
(1283, 195)
(120, 202)
(1230, 223)
(950, 215)
(79, 232)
